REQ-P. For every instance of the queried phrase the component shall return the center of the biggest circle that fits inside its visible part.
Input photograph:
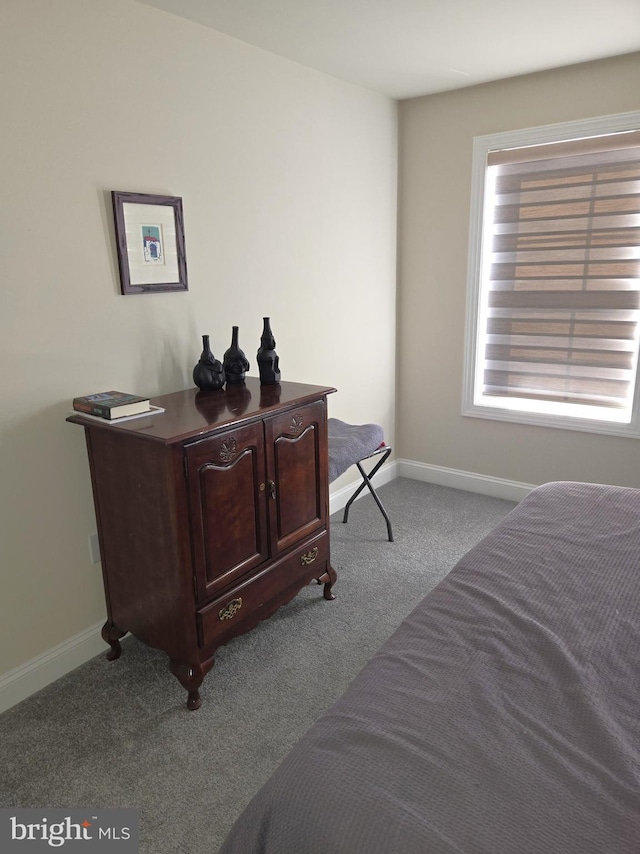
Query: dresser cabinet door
(226, 482)
(297, 488)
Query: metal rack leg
(366, 481)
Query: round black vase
(235, 362)
(268, 360)
(208, 374)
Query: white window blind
(561, 274)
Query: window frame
(480, 208)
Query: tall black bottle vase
(235, 362)
(268, 361)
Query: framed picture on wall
(150, 243)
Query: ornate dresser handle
(309, 557)
(231, 609)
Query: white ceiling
(405, 48)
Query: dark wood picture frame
(150, 243)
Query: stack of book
(114, 406)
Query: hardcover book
(111, 404)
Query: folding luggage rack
(352, 444)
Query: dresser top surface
(192, 413)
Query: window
(553, 318)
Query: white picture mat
(135, 217)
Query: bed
(502, 716)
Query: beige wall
(436, 135)
(288, 180)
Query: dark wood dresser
(210, 516)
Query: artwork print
(152, 245)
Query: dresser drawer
(242, 607)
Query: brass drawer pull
(231, 609)
(309, 557)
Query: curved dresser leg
(194, 701)
(190, 677)
(111, 634)
(328, 579)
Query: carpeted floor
(119, 734)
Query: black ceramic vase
(268, 361)
(235, 362)
(208, 374)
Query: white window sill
(562, 422)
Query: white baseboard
(497, 487)
(23, 681)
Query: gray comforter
(502, 717)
